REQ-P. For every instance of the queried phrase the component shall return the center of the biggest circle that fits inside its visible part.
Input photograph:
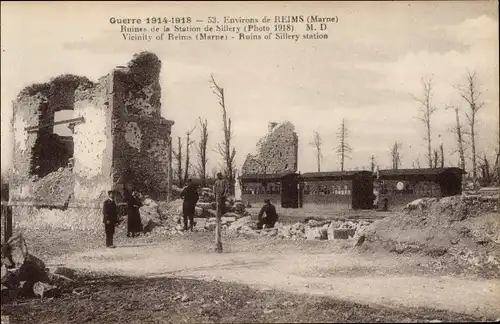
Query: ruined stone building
(277, 152)
(117, 137)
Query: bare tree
(427, 109)
(459, 132)
(471, 94)
(202, 150)
(416, 163)
(395, 153)
(372, 163)
(178, 158)
(343, 148)
(225, 149)
(441, 149)
(188, 144)
(317, 145)
(436, 159)
(484, 166)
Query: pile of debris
(55, 188)
(308, 230)
(25, 275)
(465, 228)
(166, 218)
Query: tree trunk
(473, 146)
(218, 228)
(169, 169)
(442, 155)
(179, 162)
(460, 142)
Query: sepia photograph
(250, 162)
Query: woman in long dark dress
(190, 195)
(134, 223)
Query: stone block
(341, 233)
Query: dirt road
(366, 278)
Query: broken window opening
(54, 146)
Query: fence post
(7, 221)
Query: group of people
(190, 198)
(111, 219)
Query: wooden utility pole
(218, 229)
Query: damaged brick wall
(276, 152)
(140, 134)
(118, 138)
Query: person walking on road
(110, 217)
(190, 195)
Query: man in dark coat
(190, 195)
(110, 217)
(271, 215)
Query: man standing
(190, 195)
(110, 217)
(271, 215)
(221, 191)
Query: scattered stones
(32, 277)
(45, 290)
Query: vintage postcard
(288, 161)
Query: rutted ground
(377, 279)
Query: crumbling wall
(118, 137)
(93, 144)
(40, 152)
(276, 152)
(25, 114)
(140, 134)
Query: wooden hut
(281, 188)
(338, 190)
(405, 185)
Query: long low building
(351, 189)
(338, 190)
(405, 185)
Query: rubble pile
(26, 276)
(308, 230)
(55, 188)
(465, 228)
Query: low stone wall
(78, 218)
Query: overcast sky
(366, 72)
